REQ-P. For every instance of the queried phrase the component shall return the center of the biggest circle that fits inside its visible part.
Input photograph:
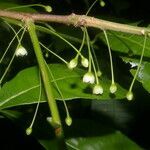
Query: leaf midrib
(130, 40)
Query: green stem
(91, 7)
(90, 55)
(10, 43)
(110, 56)
(139, 65)
(89, 50)
(46, 81)
(83, 42)
(55, 82)
(53, 53)
(25, 6)
(19, 42)
(48, 30)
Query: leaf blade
(24, 88)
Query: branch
(76, 20)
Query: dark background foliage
(129, 117)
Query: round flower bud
(49, 119)
(73, 63)
(84, 62)
(48, 8)
(113, 88)
(99, 73)
(89, 78)
(68, 120)
(129, 95)
(47, 55)
(98, 89)
(29, 131)
(21, 51)
(102, 3)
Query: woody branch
(75, 20)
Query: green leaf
(92, 135)
(11, 114)
(144, 72)
(113, 141)
(144, 76)
(95, 135)
(127, 43)
(24, 88)
(49, 144)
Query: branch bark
(76, 20)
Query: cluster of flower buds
(74, 62)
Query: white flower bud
(98, 89)
(29, 131)
(129, 95)
(84, 62)
(73, 63)
(21, 51)
(89, 78)
(49, 119)
(47, 55)
(113, 88)
(68, 120)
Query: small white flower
(98, 89)
(133, 64)
(84, 62)
(89, 78)
(113, 88)
(21, 51)
(73, 63)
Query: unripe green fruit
(84, 62)
(29, 131)
(48, 8)
(68, 120)
(113, 88)
(102, 3)
(73, 63)
(46, 55)
(99, 73)
(129, 95)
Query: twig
(75, 20)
